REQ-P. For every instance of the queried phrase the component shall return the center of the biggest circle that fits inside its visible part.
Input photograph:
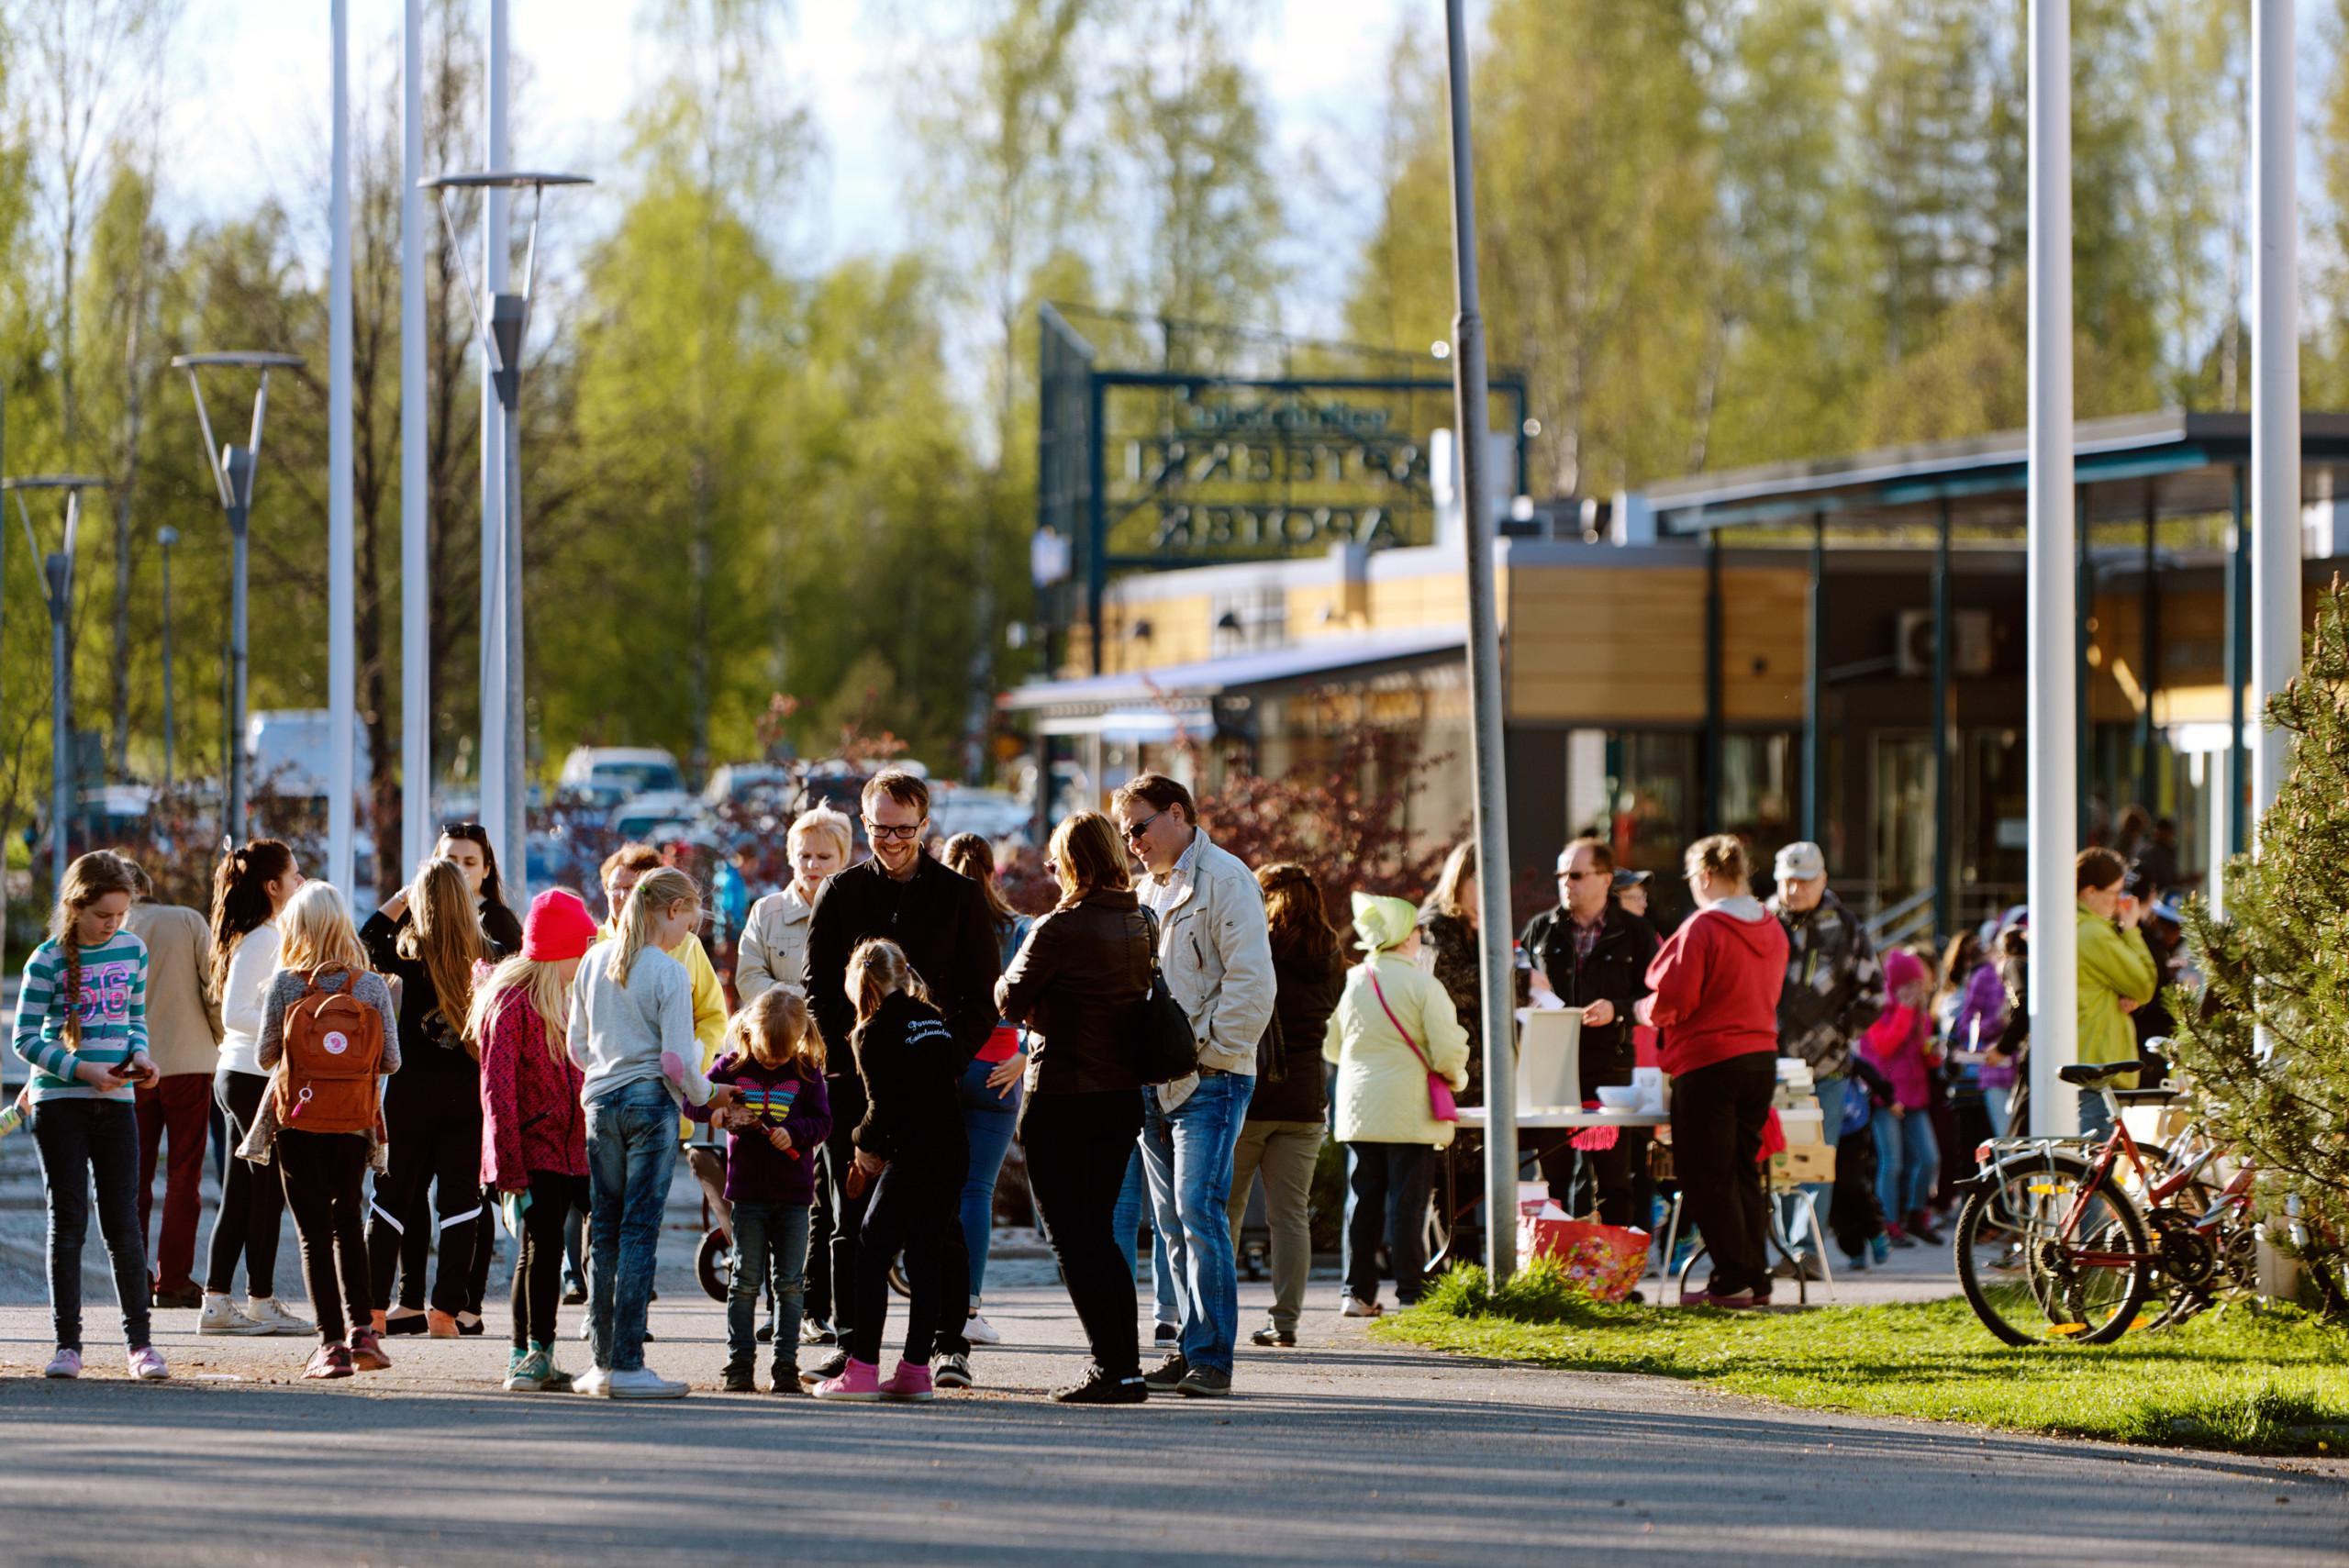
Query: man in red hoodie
(1715, 987)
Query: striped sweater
(113, 1006)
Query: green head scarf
(1383, 923)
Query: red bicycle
(2052, 1246)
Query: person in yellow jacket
(1393, 1025)
(2117, 975)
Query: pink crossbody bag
(1441, 1104)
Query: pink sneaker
(910, 1381)
(64, 1364)
(147, 1363)
(859, 1381)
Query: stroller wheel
(714, 1264)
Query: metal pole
(1945, 895)
(2083, 610)
(238, 826)
(57, 569)
(342, 664)
(495, 267)
(416, 568)
(514, 830)
(2149, 673)
(166, 537)
(2276, 392)
(1714, 743)
(2237, 660)
(1470, 393)
(2053, 687)
(1814, 678)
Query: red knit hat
(558, 928)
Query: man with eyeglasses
(941, 920)
(1594, 957)
(1217, 955)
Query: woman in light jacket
(1394, 1024)
(775, 939)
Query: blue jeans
(1186, 1155)
(2096, 1121)
(1906, 1159)
(987, 1121)
(632, 1154)
(770, 1245)
(1996, 1098)
(1127, 1218)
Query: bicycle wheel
(2023, 1281)
(714, 1264)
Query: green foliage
(2248, 1378)
(2277, 965)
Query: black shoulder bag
(1162, 1047)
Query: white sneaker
(591, 1383)
(1356, 1307)
(275, 1319)
(643, 1383)
(979, 1331)
(220, 1317)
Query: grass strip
(2248, 1378)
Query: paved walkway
(1343, 1451)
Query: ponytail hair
(241, 899)
(647, 901)
(444, 935)
(775, 1024)
(878, 970)
(90, 878)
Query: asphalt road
(1342, 1452)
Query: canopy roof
(2173, 463)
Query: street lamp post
(502, 320)
(167, 537)
(57, 575)
(233, 468)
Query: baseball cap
(1801, 861)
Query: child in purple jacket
(776, 1124)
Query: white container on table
(1549, 1059)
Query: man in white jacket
(1218, 959)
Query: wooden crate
(1804, 1162)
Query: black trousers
(538, 1275)
(818, 1279)
(252, 1197)
(1387, 1199)
(1717, 1114)
(435, 1142)
(847, 1094)
(907, 1209)
(1077, 1147)
(323, 1172)
(82, 1143)
(1617, 1176)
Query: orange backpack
(334, 1046)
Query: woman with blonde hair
(632, 1031)
(323, 1167)
(429, 940)
(534, 1131)
(1077, 982)
(774, 937)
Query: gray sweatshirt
(617, 1033)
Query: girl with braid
(81, 1025)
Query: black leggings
(1078, 1146)
(435, 1141)
(252, 1197)
(323, 1173)
(908, 1206)
(1718, 1113)
(538, 1276)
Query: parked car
(748, 783)
(635, 770)
(992, 814)
(662, 814)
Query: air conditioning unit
(1969, 644)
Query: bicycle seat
(2095, 1074)
(2144, 1096)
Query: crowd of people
(411, 1084)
